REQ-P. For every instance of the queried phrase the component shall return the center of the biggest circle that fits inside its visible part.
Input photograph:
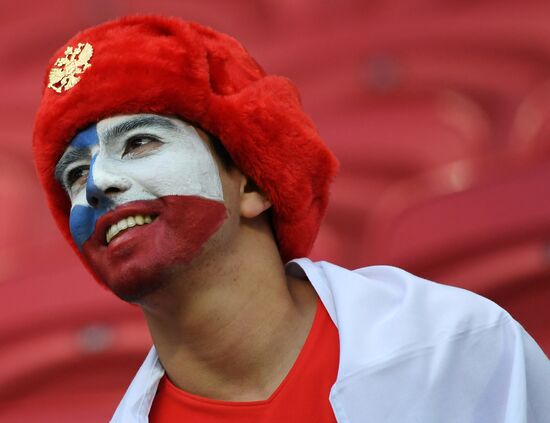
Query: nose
(103, 184)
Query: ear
(253, 201)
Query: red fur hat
(152, 64)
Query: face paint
(83, 217)
(137, 261)
(141, 168)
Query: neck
(232, 328)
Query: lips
(108, 220)
(126, 224)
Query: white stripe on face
(174, 159)
(140, 157)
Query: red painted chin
(138, 260)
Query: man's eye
(139, 145)
(77, 176)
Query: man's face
(145, 196)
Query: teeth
(123, 224)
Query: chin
(135, 283)
(143, 259)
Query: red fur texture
(153, 64)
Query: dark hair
(227, 160)
(221, 152)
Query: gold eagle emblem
(64, 73)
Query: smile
(125, 224)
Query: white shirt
(411, 350)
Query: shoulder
(387, 293)
(383, 312)
(441, 307)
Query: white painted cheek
(183, 167)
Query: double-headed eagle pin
(64, 74)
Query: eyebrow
(139, 122)
(69, 157)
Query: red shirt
(301, 397)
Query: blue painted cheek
(83, 218)
(82, 223)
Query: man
(185, 177)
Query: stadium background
(439, 112)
